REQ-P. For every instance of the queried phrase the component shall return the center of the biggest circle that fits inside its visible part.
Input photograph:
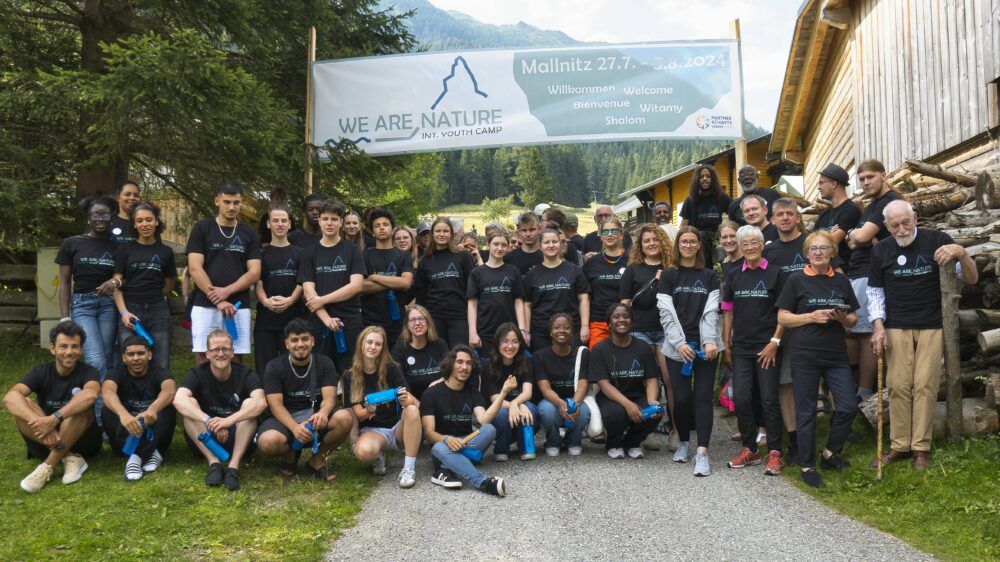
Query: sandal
(290, 469)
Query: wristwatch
(58, 416)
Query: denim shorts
(652, 338)
(864, 325)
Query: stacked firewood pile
(967, 207)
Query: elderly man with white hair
(904, 302)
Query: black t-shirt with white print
(227, 250)
(705, 213)
(279, 272)
(138, 393)
(91, 261)
(145, 267)
(422, 366)
(54, 391)
(442, 281)
(220, 398)
(911, 279)
(496, 289)
(330, 268)
(803, 293)
(552, 290)
(604, 275)
(453, 410)
(645, 315)
(752, 294)
(301, 387)
(387, 413)
(689, 288)
(558, 370)
(626, 367)
(122, 230)
(375, 306)
(861, 257)
(844, 216)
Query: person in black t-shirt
(389, 271)
(704, 207)
(221, 398)
(224, 262)
(688, 301)
(146, 274)
(904, 299)
(815, 306)
(555, 286)
(442, 282)
(592, 243)
(528, 254)
(507, 358)
(388, 425)
(60, 426)
(86, 267)
(138, 402)
(558, 379)
(332, 275)
(747, 178)
(751, 336)
(278, 291)
(448, 411)
(419, 351)
(352, 230)
(626, 374)
(843, 214)
(310, 233)
(122, 226)
(652, 254)
(754, 209)
(604, 273)
(301, 390)
(495, 293)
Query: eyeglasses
(417, 320)
(100, 216)
(819, 249)
(220, 350)
(509, 342)
(689, 242)
(751, 244)
(611, 232)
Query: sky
(766, 28)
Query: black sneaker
(835, 462)
(446, 479)
(214, 476)
(232, 479)
(494, 486)
(811, 478)
(854, 437)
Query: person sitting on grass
(138, 402)
(223, 398)
(60, 426)
(301, 389)
(448, 411)
(390, 425)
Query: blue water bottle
(571, 408)
(526, 440)
(141, 332)
(471, 453)
(299, 445)
(340, 341)
(213, 446)
(390, 297)
(230, 323)
(132, 443)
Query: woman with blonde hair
(402, 239)
(441, 282)
(419, 351)
(604, 274)
(393, 424)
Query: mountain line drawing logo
(454, 68)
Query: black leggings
(746, 369)
(452, 330)
(163, 433)
(693, 409)
(621, 432)
(267, 344)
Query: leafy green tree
(497, 210)
(533, 176)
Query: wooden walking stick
(878, 429)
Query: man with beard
(747, 176)
(843, 213)
(904, 302)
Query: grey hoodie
(673, 333)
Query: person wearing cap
(423, 236)
(861, 239)
(541, 208)
(747, 176)
(904, 304)
(843, 213)
(592, 243)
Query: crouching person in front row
(301, 389)
(138, 403)
(219, 402)
(448, 410)
(60, 426)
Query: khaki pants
(913, 378)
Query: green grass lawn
(951, 510)
(170, 514)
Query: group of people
(381, 337)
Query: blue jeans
(552, 421)
(99, 319)
(155, 318)
(458, 463)
(504, 432)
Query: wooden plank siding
(830, 133)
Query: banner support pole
(741, 144)
(310, 58)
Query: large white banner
(482, 98)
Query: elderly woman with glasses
(816, 304)
(751, 336)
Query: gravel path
(595, 508)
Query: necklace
(614, 261)
(222, 232)
(292, 366)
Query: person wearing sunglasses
(604, 273)
(592, 243)
(222, 398)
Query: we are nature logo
(503, 287)
(107, 259)
(337, 266)
(758, 292)
(451, 271)
(921, 266)
(560, 284)
(635, 371)
(697, 288)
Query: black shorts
(88, 445)
(272, 423)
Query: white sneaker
(616, 453)
(681, 454)
(378, 467)
(133, 468)
(528, 456)
(575, 451)
(155, 461)
(552, 451)
(701, 466)
(500, 457)
(35, 481)
(407, 478)
(635, 453)
(73, 468)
